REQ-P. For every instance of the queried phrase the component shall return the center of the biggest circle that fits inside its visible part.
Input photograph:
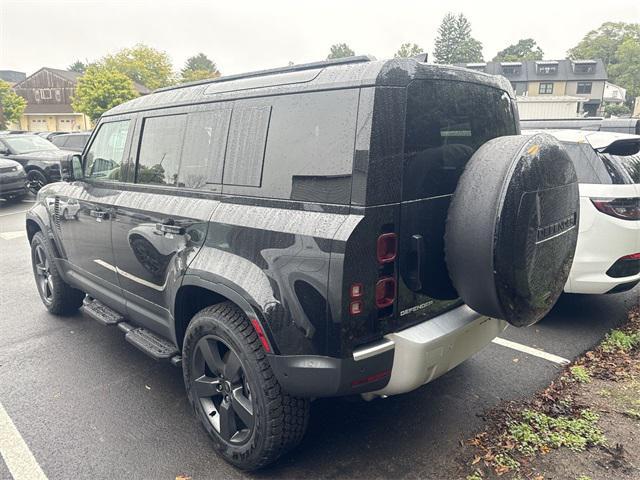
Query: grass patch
(539, 432)
(617, 340)
(580, 374)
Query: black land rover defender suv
(336, 228)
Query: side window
(160, 147)
(59, 141)
(104, 158)
(204, 147)
(75, 142)
(245, 147)
(584, 162)
(310, 147)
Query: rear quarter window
(631, 164)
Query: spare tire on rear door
(512, 228)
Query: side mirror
(71, 168)
(4, 151)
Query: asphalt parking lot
(89, 405)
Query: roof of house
(529, 72)
(48, 108)
(12, 76)
(74, 76)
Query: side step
(100, 312)
(153, 345)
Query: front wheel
(36, 180)
(234, 392)
(57, 295)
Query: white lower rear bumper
(427, 350)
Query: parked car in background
(71, 141)
(607, 258)
(13, 179)
(39, 157)
(48, 135)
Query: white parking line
(531, 351)
(17, 456)
(12, 235)
(12, 213)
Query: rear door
(161, 216)
(446, 122)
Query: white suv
(607, 258)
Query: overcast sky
(248, 35)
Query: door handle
(415, 273)
(170, 227)
(99, 214)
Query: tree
(100, 89)
(454, 43)
(525, 49)
(616, 110)
(618, 45)
(77, 66)
(340, 50)
(626, 72)
(142, 64)
(604, 42)
(12, 105)
(198, 67)
(407, 50)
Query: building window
(45, 93)
(57, 94)
(513, 85)
(545, 88)
(548, 69)
(511, 70)
(584, 67)
(37, 95)
(584, 88)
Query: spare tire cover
(512, 227)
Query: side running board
(148, 342)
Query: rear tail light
(623, 208)
(387, 247)
(385, 292)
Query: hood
(45, 155)
(5, 162)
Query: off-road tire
(65, 299)
(280, 419)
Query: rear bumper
(400, 362)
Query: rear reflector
(371, 378)
(633, 256)
(356, 307)
(263, 338)
(356, 290)
(385, 292)
(387, 247)
(623, 208)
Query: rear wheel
(234, 392)
(57, 295)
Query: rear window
(602, 168)
(446, 123)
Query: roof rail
(272, 71)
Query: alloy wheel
(220, 385)
(43, 274)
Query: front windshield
(28, 143)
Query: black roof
(352, 72)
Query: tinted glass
(592, 167)
(160, 147)
(104, 158)
(59, 140)
(446, 123)
(245, 147)
(309, 154)
(76, 142)
(629, 163)
(204, 148)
